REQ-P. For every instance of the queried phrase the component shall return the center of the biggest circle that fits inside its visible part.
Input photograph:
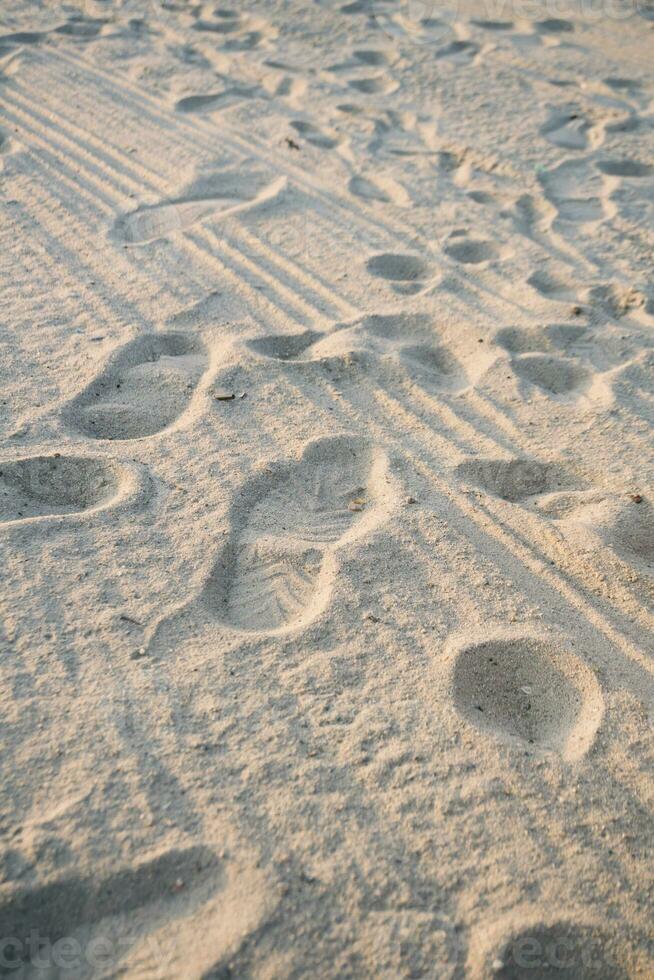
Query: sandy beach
(327, 489)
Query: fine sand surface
(326, 489)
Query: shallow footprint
(373, 86)
(514, 479)
(407, 272)
(143, 390)
(401, 268)
(225, 22)
(521, 340)
(433, 367)
(383, 189)
(535, 340)
(624, 524)
(284, 348)
(556, 375)
(373, 57)
(554, 25)
(214, 101)
(140, 917)
(458, 50)
(614, 299)
(625, 168)
(494, 25)
(62, 908)
(577, 191)
(540, 949)
(23, 37)
(43, 486)
(325, 140)
(472, 251)
(82, 28)
(224, 193)
(274, 574)
(567, 128)
(375, 333)
(528, 691)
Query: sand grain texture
(326, 490)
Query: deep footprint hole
(523, 690)
(398, 268)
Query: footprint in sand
(584, 373)
(623, 523)
(404, 339)
(416, 22)
(276, 573)
(554, 25)
(615, 300)
(145, 387)
(408, 273)
(379, 85)
(553, 285)
(472, 251)
(625, 168)
(285, 348)
(22, 37)
(460, 51)
(323, 139)
(289, 87)
(326, 348)
(566, 380)
(239, 31)
(82, 28)
(145, 913)
(591, 519)
(562, 336)
(433, 367)
(631, 385)
(561, 378)
(224, 22)
(357, 7)
(578, 342)
(373, 57)
(577, 191)
(539, 947)
(515, 479)
(222, 193)
(380, 188)
(45, 486)
(569, 128)
(528, 692)
(494, 25)
(217, 101)
(76, 905)
(618, 84)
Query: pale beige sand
(326, 497)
